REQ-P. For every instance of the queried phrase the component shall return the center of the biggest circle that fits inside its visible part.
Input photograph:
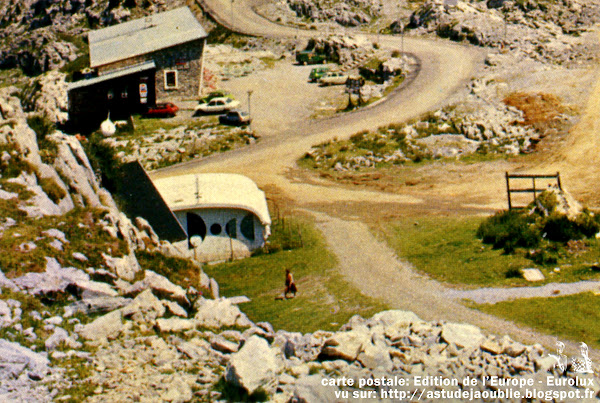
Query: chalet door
(196, 227)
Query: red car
(167, 109)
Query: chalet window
(247, 227)
(170, 79)
(215, 229)
(231, 228)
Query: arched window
(231, 228)
(247, 227)
(195, 227)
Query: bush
(588, 224)
(508, 230)
(559, 228)
(104, 161)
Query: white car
(217, 105)
(333, 78)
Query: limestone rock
(346, 345)
(108, 326)
(532, 275)
(96, 305)
(219, 313)
(14, 353)
(126, 267)
(309, 389)
(175, 308)
(174, 325)
(395, 318)
(145, 308)
(462, 335)
(255, 366)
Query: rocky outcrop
(43, 35)
(255, 366)
(47, 96)
(350, 13)
(546, 32)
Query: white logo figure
(561, 359)
(581, 365)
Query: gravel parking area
(282, 96)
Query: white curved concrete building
(225, 215)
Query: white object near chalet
(225, 215)
(107, 127)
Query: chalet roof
(138, 68)
(144, 35)
(198, 191)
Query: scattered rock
(532, 275)
(255, 366)
(462, 335)
(108, 326)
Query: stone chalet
(137, 63)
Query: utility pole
(232, 15)
(402, 38)
(249, 114)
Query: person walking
(290, 285)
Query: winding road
(366, 262)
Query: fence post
(508, 191)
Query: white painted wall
(219, 246)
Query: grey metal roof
(144, 35)
(138, 68)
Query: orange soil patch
(540, 110)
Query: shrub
(508, 230)
(547, 201)
(104, 161)
(512, 272)
(543, 256)
(587, 224)
(559, 228)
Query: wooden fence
(519, 178)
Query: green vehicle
(317, 73)
(310, 57)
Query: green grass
(576, 317)
(447, 249)
(324, 300)
(179, 271)
(89, 239)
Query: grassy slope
(447, 249)
(324, 300)
(576, 317)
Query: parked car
(333, 78)
(212, 95)
(317, 73)
(235, 117)
(310, 57)
(217, 105)
(167, 109)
